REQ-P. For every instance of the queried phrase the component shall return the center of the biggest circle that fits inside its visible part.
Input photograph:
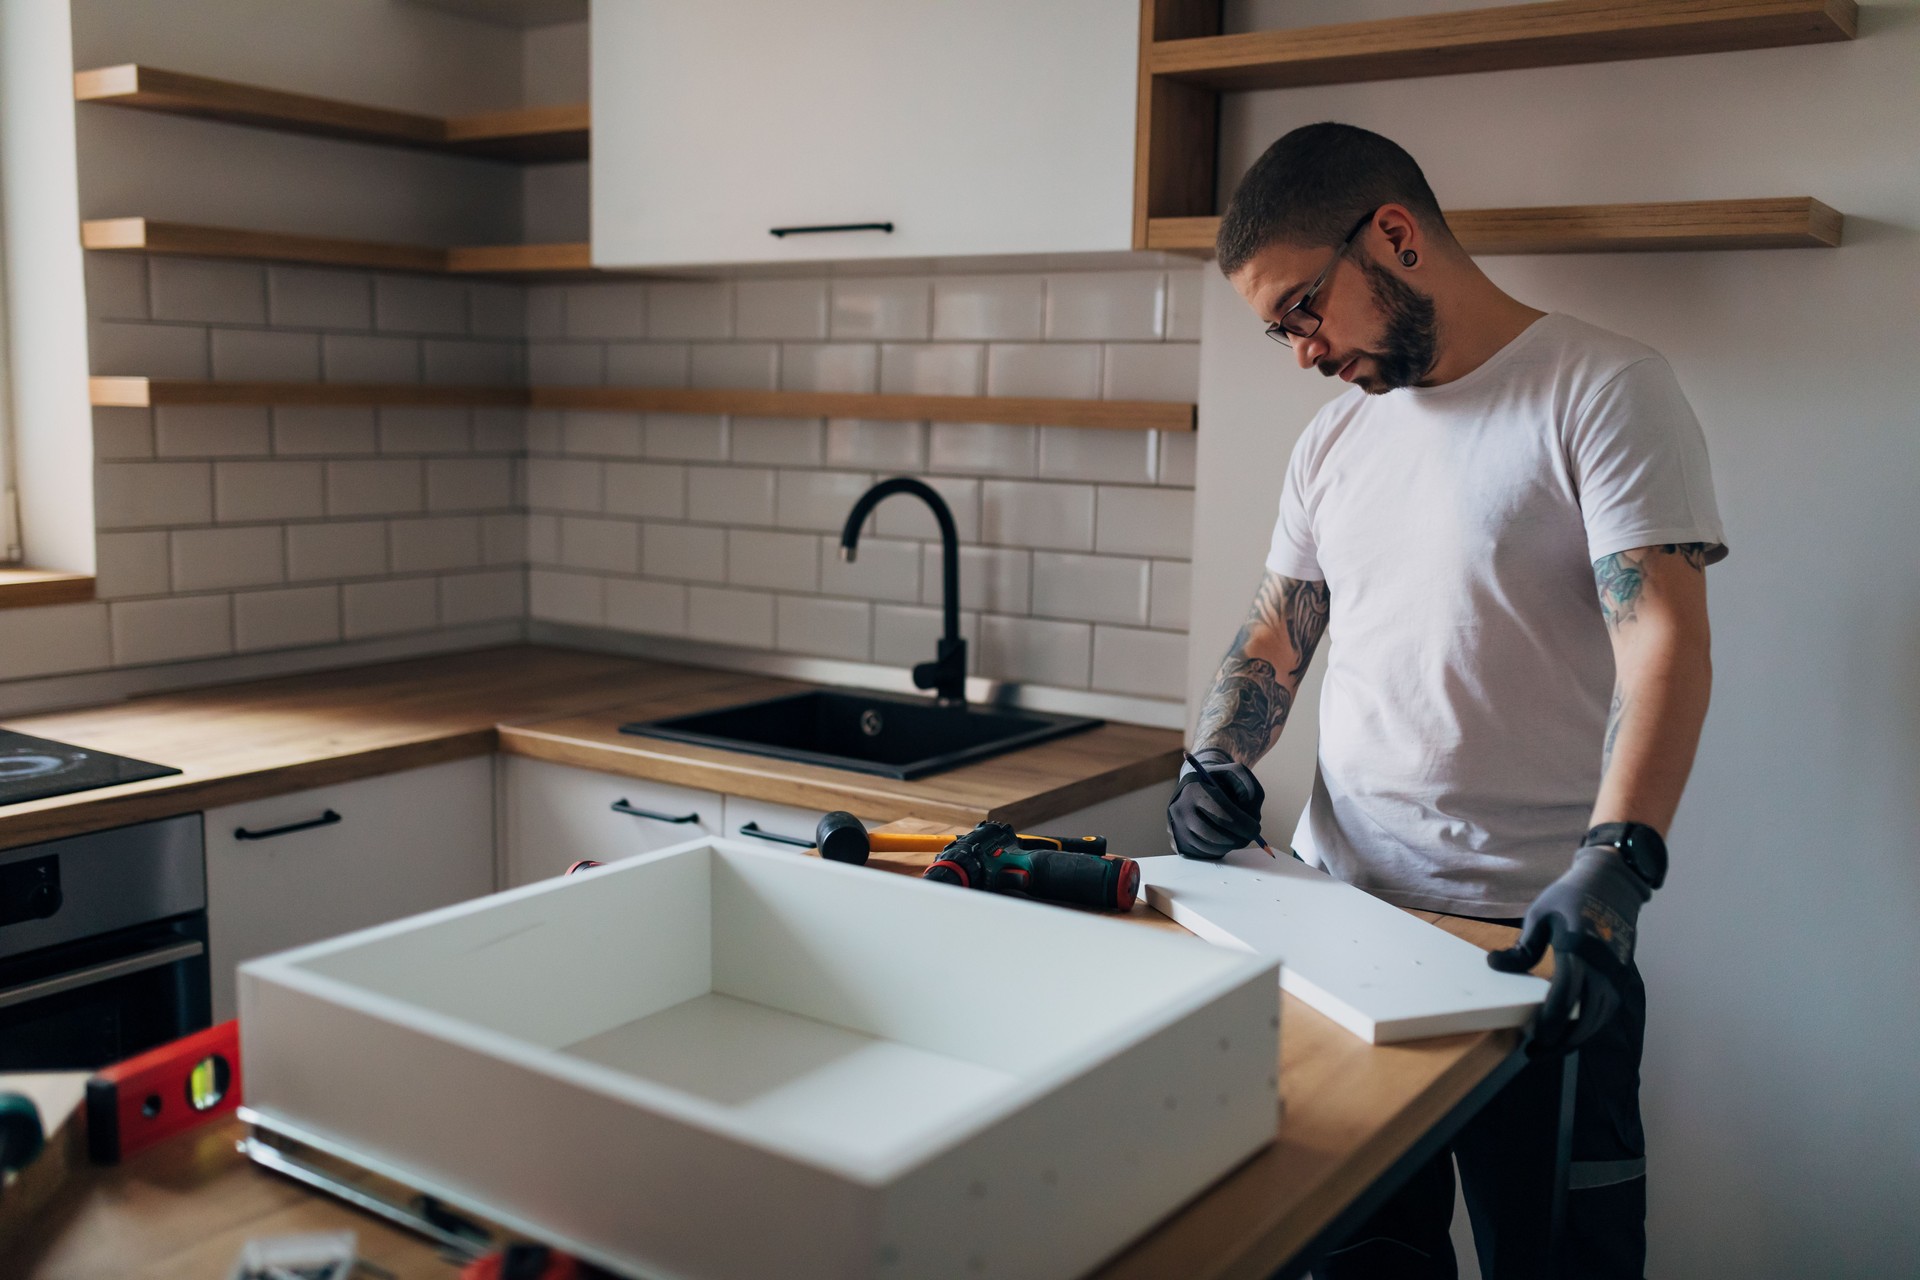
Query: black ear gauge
(1408, 257)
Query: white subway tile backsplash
(53, 639)
(1056, 517)
(435, 543)
(503, 538)
(878, 446)
(998, 579)
(687, 437)
(496, 596)
(265, 355)
(989, 308)
(425, 430)
(305, 298)
(902, 516)
(652, 608)
(689, 310)
(496, 310)
(884, 570)
(982, 448)
(213, 559)
(1090, 588)
(172, 630)
(116, 286)
(121, 434)
(469, 484)
(128, 564)
(1183, 305)
(343, 549)
(826, 628)
(818, 499)
(365, 357)
(609, 309)
(419, 304)
(730, 495)
(606, 546)
(137, 494)
(152, 350)
(563, 484)
(685, 552)
(656, 489)
(782, 561)
(547, 311)
(1146, 522)
(389, 608)
(1053, 370)
(1152, 663)
(544, 430)
(210, 431)
(1077, 453)
(267, 491)
(385, 486)
(904, 636)
(1030, 650)
(302, 430)
(206, 291)
(543, 539)
(565, 364)
(603, 435)
(471, 362)
(780, 309)
(725, 616)
(792, 442)
(1107, 306)
(829, 366)
(647, 364)
(1152, 371)
(881, 308)
(286, 618)
(1177, 449)
(1172, 592)
(734, 366)
(939, 369)
(497, 430)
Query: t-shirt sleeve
(1640, 463)
(1293, 552)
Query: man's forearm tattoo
(1250, 699)
(1621, 577)
(1615, 715)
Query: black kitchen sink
(865, 732)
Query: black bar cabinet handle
(326, 819)
(831, 226)
(621, 806)
(753, 829)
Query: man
(1504, 527)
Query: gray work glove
(1200, 825)
(1588, 916)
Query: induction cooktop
(34, 768)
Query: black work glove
(1200, 825)
(1588, 916)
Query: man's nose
(1311, 351)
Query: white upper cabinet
(972, 126)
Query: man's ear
(1401, 230)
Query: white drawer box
(714, 1061)
(557, 814)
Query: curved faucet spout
(947, 673)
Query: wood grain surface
(149, 235)
(30, 588)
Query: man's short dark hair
(1312, 185)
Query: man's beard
(1412, 335)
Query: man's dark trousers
(1506, 1156)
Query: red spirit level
(154, 1095)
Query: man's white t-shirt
(1469, 671)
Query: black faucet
(946, 675)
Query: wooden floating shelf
(30, 588)
(1793, 222)
(1136, 415)
(145, 235)
(1498, 39)
(528, 135)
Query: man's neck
(1475, 323)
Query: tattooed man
(1502, 531)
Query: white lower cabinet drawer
(557, 814)
(774, 826)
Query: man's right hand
(1201, 826)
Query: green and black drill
(1075, 870)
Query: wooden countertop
(260, 738)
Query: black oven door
(86, 1004)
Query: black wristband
(1639, 846)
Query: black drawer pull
(621, 806)
(326, 819)
(753, 829)
(780, 232)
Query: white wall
(1780, 1072)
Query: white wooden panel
(405, 843)
(773, 819)
(1380, 973)
(557, 814)
(995, 126)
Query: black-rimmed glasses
(1297, 321)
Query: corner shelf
(146, 235)
(530, 135)
(1133, 415)
(31, 588)
(1792, 222)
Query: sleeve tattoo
(1250, 699)
(1621, 578)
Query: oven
(103, 945)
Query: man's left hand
(1589, 918)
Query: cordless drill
(993, 857)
